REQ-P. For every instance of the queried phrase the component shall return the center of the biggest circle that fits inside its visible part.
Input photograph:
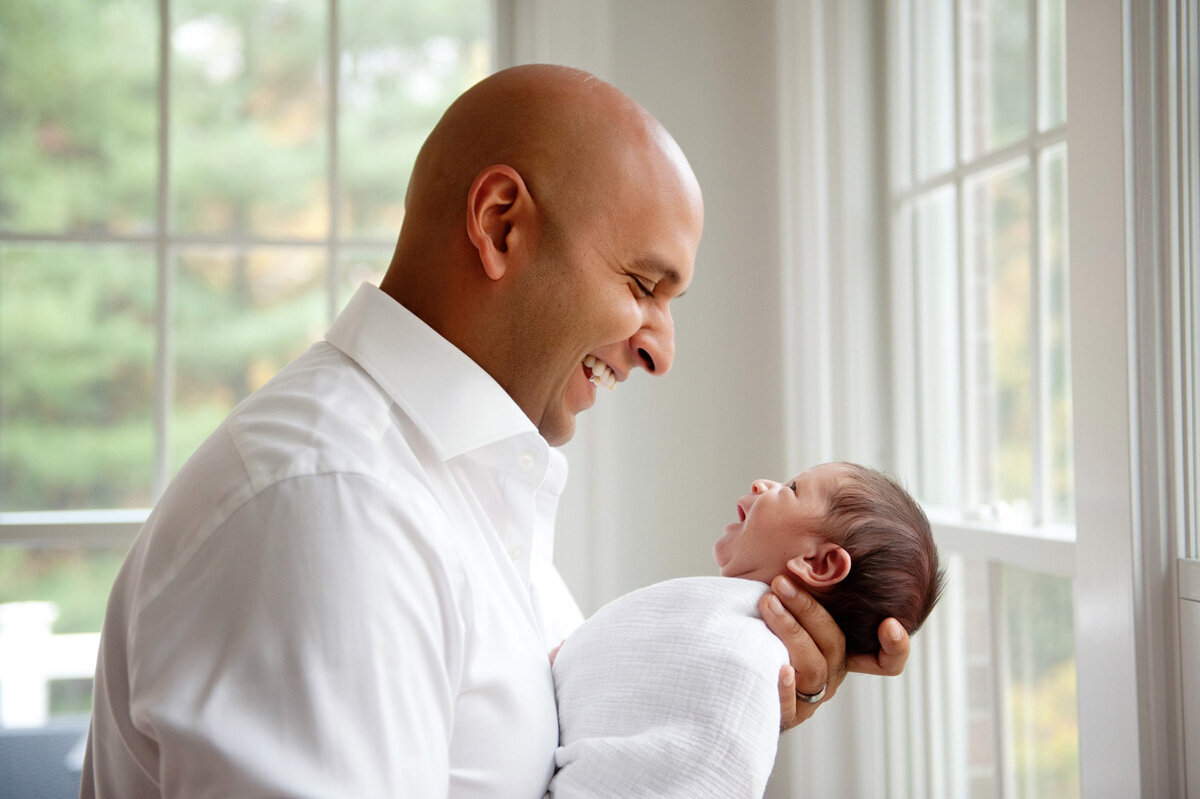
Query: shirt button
(526, 461)
(515, 551)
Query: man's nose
(654, 342)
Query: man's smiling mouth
(599, 372)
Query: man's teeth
(602, 375)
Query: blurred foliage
(995, 72)
(1038, 611)
(249, 159)
(76, 377)
(1038, 614)
(78, 123)
(1004, 201)
(76, 581)
(1046, 728)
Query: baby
(672, 690)
(862, 547)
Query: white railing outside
(31, 656)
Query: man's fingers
(822, 631)
(787, 699)
(803, 653)
(894, 647)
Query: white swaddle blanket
(670, 691)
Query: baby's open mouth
(599, 372)
(741, 513)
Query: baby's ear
(826, 565)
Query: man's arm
(817, 649)
(306, 648)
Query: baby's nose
(760, 486)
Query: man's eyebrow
(663, 269)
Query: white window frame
(1134, 329)
(924, 705)
(1130, 68)
(117, 528)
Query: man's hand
(817, 649)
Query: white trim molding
(72, 528)
(1126, 365)
(1045, 550)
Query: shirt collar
(450, 397)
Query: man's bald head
(567, 133)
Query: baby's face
(776, 522)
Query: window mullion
(163, 369)
(1039, 343)
(966, 363)
(910, 170)
(332, 269)
(1037, 282)
(937, 764)
(983, 163)
(1002, 717)
(952, 626)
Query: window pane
(1059, 447)
(995, 73)
(248, 117)
(936, 266)
(401, 65)
(964, 626)
(78, 122)
(51, 609)
(1052, 64)
(240, 316)
(1039, 684)
(933, 103)
(1005, 648)
(999, 356)
(77, 357)
(358, 266)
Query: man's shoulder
(320, 420)
(323, 415)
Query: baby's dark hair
(894, 568)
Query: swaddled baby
(672, 690)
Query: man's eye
(646, 290)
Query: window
(983, 387)
(190, 190)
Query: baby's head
(862, 544)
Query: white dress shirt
(346, 592)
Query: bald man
(348, 590)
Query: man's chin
(559, 430)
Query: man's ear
(825, 565)
(499, 213)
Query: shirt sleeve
(312, 645)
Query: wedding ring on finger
(812, 699)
